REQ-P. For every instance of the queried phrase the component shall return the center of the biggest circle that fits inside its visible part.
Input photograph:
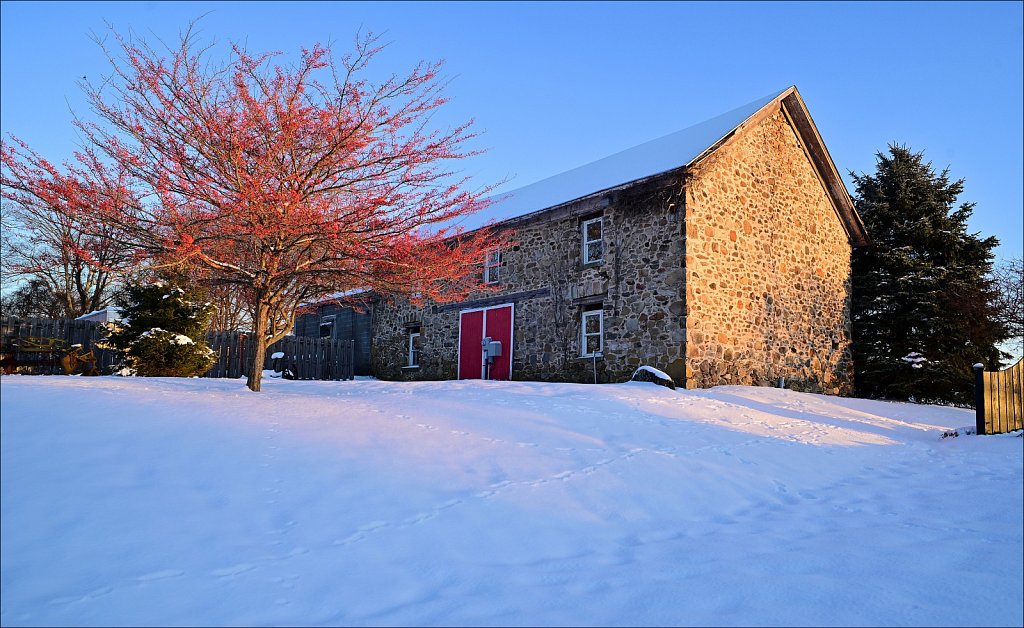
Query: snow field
(131, 501)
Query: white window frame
(583, 333)
(586, 248)
(412, 357)
(492, 267)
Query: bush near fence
(308, 358)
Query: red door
(498, 325)
(471, 332)
(495, 322)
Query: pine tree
(163, 330)
(923, 302)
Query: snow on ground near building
(129, 501)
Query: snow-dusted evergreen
(923, 305)
(162, 331)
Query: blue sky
(557, 85)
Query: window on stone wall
(492, 267)
(592, 333)
(593, 240)
(327, 326)
(413, 346)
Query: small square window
(327, 326)
(592, 336)
(492, 267)
(414, 345)
(593, 240)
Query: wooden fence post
(979, 398)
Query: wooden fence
(999, 399)
(73, 332)
(306, 358)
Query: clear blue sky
(557, 85)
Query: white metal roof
(648, 159)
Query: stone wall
(638, 286)
(767, 268)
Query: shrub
(162, 353)
(162, 331)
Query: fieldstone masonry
(735, 271)
(767, 268)
(638, 285)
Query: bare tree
(44, 240)
(1008, 277)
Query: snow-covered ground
(129, 501)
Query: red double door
(474, 325)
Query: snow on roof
(335, 296)
(109, 313)
(648, 159)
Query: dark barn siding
(348, 325)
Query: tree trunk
(259, 346)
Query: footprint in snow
(298, 551)
(60, 601)
(287, 582)
(349, 539)
(160, 575)
(420, 518)
(234, 570)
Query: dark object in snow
(966, 431)
(653, 375)
(289, 372)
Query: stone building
(719, 254)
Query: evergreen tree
(923, 304)
(163, 329)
